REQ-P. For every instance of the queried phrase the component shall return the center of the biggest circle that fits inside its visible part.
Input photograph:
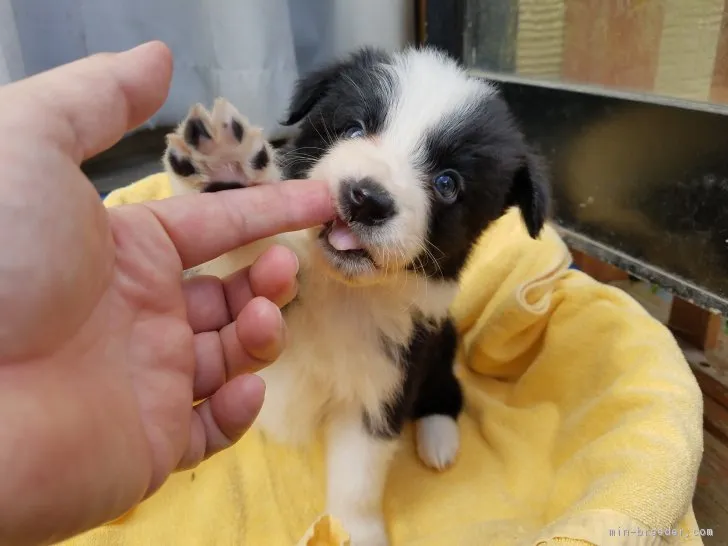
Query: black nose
(367, 202)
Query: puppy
(421, 158)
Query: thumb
(89, 104)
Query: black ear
(310, 89)
(530, 193)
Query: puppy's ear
(310, 89)
(530, 193)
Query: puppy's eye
(447, 186)
(355, 130)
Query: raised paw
(218, 150)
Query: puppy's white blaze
(418, 106)
(438, 441)
(364, 158)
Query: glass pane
(672, 48)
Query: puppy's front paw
(212, 151)
(438, 441)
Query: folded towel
(583, 425)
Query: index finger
(207, 225)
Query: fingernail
(298, 264)
(253, 387)
(145, 46)
(138, 48)
(270, 351)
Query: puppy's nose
(367, 202)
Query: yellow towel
(583, 425)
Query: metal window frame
(666, 220)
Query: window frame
(541, 109)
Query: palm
(145, 303)
(131, 346)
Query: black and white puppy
(421, 158)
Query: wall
(324, 29)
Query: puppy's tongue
(342, 238)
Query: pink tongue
(341, 237)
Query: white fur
(401, 241)
(419, 105)
(438, 441)
(357, 466)
(335, 352)
(335, 368)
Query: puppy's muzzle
(366, 202)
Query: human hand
(102, 346)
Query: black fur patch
(260, 160)
(321, 83)
(529, 192)
(439, 392)
(181, 167)
(237, 130)
(214, 187)
(483, 145)
(194, 131)
(331, 99)
(430, 386)
(278, 143)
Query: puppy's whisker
(317, 148)
(400, 250)
(326, 141)
(291, 160)
(425, 277)
(386, 261)
(294, 160)
(397, 251)
(355, 86)
(431, 245)
(298, 155)
(431, 256)
(330, 141)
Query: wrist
(60, 478)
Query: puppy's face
(421, 159)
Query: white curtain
(250, 51)
(11, 60)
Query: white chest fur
(335, 360)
